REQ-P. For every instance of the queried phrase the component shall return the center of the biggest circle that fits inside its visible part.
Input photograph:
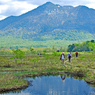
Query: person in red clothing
(76, 54)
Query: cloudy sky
(18, 7)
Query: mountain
(51, 22)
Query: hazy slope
(51, 22)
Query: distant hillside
(51, 22)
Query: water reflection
(55, 85)
(63, 77)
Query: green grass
(13, 42)
(33, 64)
(8, 81)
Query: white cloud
(24, 6)
(18, 7)
(2, 17)
(5, 1)
(14, 8)
(3, 8)
(91, 4)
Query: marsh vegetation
(39, 61)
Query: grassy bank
(9, 82)
(11, 71)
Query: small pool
(55, 85)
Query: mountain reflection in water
(55, 85)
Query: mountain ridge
(51, 22)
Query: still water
(54, 85)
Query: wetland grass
(48, 63)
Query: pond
(55, 85)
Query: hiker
(76, 54)
(69, 56)
(62, 57)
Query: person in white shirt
(62, 57)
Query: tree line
(84, 46)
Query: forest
(84, 46)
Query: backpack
(69, 55)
